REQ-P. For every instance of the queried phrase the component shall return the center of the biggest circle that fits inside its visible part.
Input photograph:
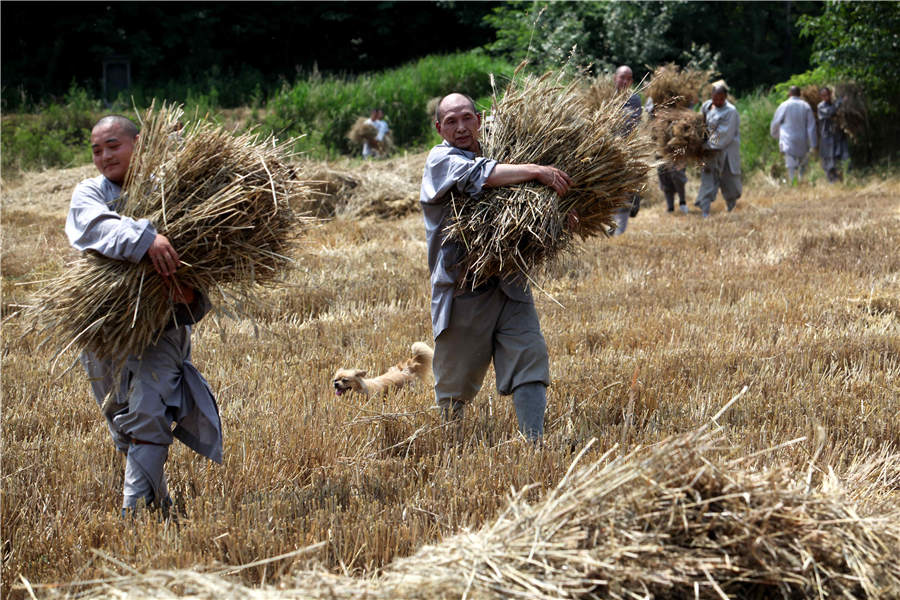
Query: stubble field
(795, 296)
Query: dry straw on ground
(544, 120)
(386, 189)
(688, 517)
(672, 86)
(223, 201)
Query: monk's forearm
(506, 174)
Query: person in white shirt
(794, 126)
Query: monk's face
(459, 122)
(825, 95)
(112, 149)
(624, 78)
(718, 99)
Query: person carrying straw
(496, 320)
(161, 385)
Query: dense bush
(54, 135)
(323, 108)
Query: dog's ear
(359, 373)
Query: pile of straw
(852, 115)
(362, 132)
(518, 229)
(810, 93)
(672, 86)
(679, 134)
(684, 518)
(386, 192)
(223, 201)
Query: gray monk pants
(487, 327)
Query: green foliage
(861, 42)
(323, 108)
(54, 136)
(758, 150)
(750, 43)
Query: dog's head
(348, 379)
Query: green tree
(860, 41)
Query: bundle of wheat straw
(224, 203)
(601, 92)
(689, 517)
(852, 116)
(362, 132)
(679, 135)
(810, 93)
(517, 229)
(674, 87)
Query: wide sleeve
(447, 171)
(92, 225)
(811, 128)
(775, 125)
(726, 131)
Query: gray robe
(723, 167)
(832, 140)
(162, 385)
(794, 126)
(452, 170)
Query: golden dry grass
(795, 295)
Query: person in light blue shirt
(496, 321)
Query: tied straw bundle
(852, 116)
(674, 87)
(224, 203)
(810, 93)
(517, 229)
(362, 132)
(679, 135)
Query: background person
(794, 126)
(376, 119)
(723, 166)
(672, 178)
(161, 386)
(497, 320)
(832, 139)
(632, 107)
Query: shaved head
(624, 78)
(452, 98)
(123, 124)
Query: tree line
(247, 50)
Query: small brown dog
(417, 367)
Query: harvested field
(793, 296)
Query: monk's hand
(163, 256)
(554, 178)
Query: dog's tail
(421, 363)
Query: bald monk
(495, 321)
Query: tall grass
(325, 107)
(759, 151)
